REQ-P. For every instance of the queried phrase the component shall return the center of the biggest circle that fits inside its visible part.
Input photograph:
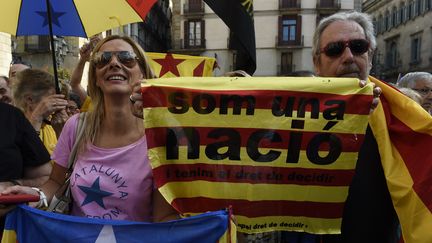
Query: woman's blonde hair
(97, 111)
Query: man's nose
(347, 55)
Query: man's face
(346, 64)
(424, 87)
(5, 93)
(14, 70)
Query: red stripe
(158, 97)
(254, 209)
(142, 7)
(414, 149)
(156, 137)
(251, 174)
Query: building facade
(283, 30)
(404, 37)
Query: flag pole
(57, 87)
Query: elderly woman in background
(112, 177)
(422, 83)
(34, 94)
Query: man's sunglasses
(334, 49)
(127, 58)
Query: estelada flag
(167, 65)
(403, 131)
(281, 151)
(26, 224)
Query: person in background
(24, 159)
(422, 83)
(85, 52)
(35, 95)
(343, 46)
(113, 141)
(16, 67)
(5, 92)
(74, 104)
(412, 94)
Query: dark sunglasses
(127, 58)
(334, 49)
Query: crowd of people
(37, 123)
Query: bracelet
(15, 182)
(42, 198)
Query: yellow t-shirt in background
(48, 137)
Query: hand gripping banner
(280, 151)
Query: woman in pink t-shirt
(112, 178)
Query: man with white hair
(343, 46)
(422, 83)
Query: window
(415, 49)
(379, 25)
(194, 33)
(391, 55)
(290, 30)
(37, 43)
(410, 10)
(394, 17)
(290, 3)
(286, 66)
(428, 5)
(401, 14)
(387, 21)
(194, 6)
(418, 7)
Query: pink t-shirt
(114, 183)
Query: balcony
(285, 70)
(193, 8)
(289, 4)
(291, 44)
(194, 44)
(329, 5)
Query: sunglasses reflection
(127, 58)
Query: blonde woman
(112, 178)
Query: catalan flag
(403, 131)
(167, 65)
(281, 151)
(238, 16)
(26, 224)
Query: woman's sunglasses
(127, 58)
(334, 49)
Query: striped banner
(280, 151)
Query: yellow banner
(280, 151)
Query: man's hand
(376, 93)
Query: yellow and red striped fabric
(167, 65)
(279, 168)
(403, 131)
